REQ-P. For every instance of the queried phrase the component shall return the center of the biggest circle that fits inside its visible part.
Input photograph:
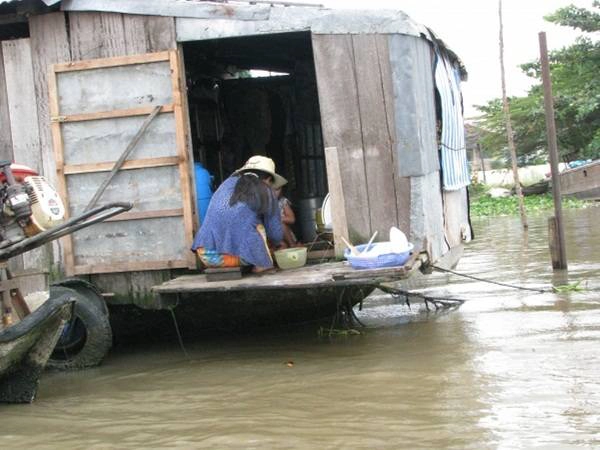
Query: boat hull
(26, 346)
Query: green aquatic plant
(570, 287)
(485, 205)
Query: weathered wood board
(150, 189)
(92, 126)
(25, 138)
(5, 136)
(126, 241)
(121, 87)
(317, 276)
(23, 114)
(341, 122)
(376, 136)
(49, 45)
(359, 112)
(97, 141)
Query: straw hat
(263, 164)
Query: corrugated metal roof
(47, 2)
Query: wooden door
(97, 107)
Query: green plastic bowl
(291, 258)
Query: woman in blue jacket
(242, 215)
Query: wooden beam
(128, 266)
(559, 235)
(57, 144)
(111, 62)
(127, 165)
(116, 113)
(181, 130)
(138, 215)
(119, 163)
(337, 200)
(5, 137)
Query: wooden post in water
(509, 130)
(556, 232)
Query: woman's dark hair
(254, 192)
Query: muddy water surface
(508, 369)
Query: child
(288, 218)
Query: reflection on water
(508, 369)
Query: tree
(574, 72)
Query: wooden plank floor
(312, 276)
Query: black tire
(87, 337)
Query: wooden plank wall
(102, 35)
(5, 136)
(354, 84)
(111, 34)
(32, 267)
(53, 41)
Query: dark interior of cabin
(258, 95)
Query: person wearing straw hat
(242, 215)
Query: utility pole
(556, 231)
(509, 131)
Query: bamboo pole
(509, 130)
(556, 231)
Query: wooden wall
(376, 94)
(5, 136)
(62, 37)
(21, 143)
(355, 86)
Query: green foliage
(486, 206)
(574, 72)
(571, 287)
(580, 18)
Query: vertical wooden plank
(178, 81)
(376, 137)
(49, 45)
(19, 86)
(341, 121)
(337, 199)
(402, 184)
(6, 149)
(6, 152)
(96, 35)
(24, 133)
(57, 144)
(145, 34)
(136, 41)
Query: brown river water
(508, 369)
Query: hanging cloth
(453, 153)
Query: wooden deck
(326, 275)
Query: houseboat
(362, 105)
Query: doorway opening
(257, 95)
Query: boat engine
(28, 204)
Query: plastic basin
(291, 258)
(375, 261)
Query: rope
(187, 355)
(512, 286)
